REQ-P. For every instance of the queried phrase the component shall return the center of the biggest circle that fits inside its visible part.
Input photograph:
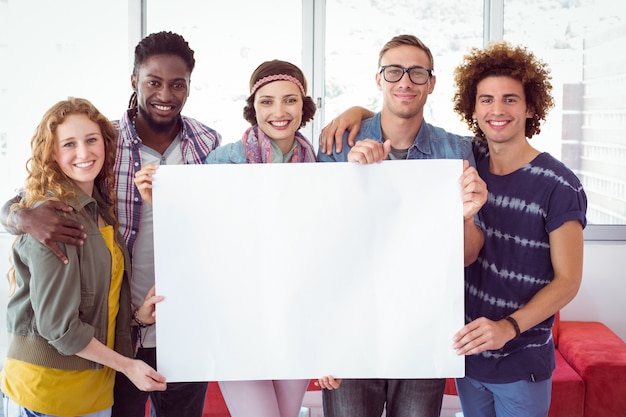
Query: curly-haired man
(530, 265)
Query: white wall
(602, 296)
(5, 246)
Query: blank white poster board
(280, 271)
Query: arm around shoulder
(47, 227)
(347, 122)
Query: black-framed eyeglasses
(417, 75)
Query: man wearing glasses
(398, 131)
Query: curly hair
(45, 179)
(161, 43)
(279, 67)
(503, 59)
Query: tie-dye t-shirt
(514, 264)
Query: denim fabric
(12, 409)
(521, 398)
(400, 397)
(230, 153)
(181, 399)
(431, 142)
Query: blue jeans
(181, 399)
(515, 399)
(13, 409)
(400, 397)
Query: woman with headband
(276, 109)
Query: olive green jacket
(57, 309)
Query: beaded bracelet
(139, 322)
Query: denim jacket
(233, 153)
(56, 308)
(430, 143)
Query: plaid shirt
(197, 142)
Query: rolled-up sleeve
(56, 294)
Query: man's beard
(157, 127)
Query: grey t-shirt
(143, 256)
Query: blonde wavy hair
(46, 180)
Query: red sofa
(589, 379)
(592, 352)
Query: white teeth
(164, 108)
(84, 164)
(280, 124)
(497, 123)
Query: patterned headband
(276, 77)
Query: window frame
(313, 38)
(493, 30)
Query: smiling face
(79, 150)
(403, 98)
(278, 106)
(162, 86)
(501, 110)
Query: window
(355, 33)
(580, 41)
(68, 48)
(79, 50)
(230, 40)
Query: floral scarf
(258, 150)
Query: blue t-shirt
(522, 208)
